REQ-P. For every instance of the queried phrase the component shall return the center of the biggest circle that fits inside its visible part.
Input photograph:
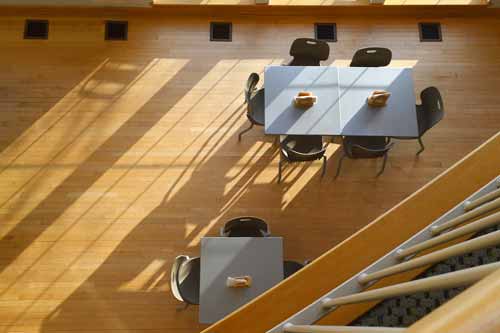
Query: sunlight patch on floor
(137, 93)
(76, 136)
(39, 128)
(147, 279)
(311, 173)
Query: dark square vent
(430, 32)
(326, 32)
(221, 31)
(116, 30)
(36, 29)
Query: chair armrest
(174, 276)
(265, 233)
(284, 151)
(322, 151)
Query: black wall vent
(326, 32)
(430, 32)
(36, 29)
(116, 30)
(221, 31)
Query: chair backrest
(251, 85)
(371, 57)
(245, 226)
(353, 146)
(308, 52)
(303, 147)
(256, 107)
(179, 260)
(431, 111)
(290, 267)
(188, 280)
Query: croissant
(378, 98)
(239, 281)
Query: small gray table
(341, 108)
(221, 257)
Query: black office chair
(358, 147)
(246, 226)
(308, 52)
(302, 148)
(291, 267)
(372, 57)
(254, 98)
(185, 279)
(429, 113)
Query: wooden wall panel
(218, 3)
(117, 156)
(78, 3)
(322, 2)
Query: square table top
(397, 118)
(282, 83)
(221, 257)
(342, 107)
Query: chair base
(422, 147)
(339, 165)
(244, 131)
(383, 166)
(419, 139)
(183, 307)
(280, 166)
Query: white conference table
(341, 108)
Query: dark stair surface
(405, 310)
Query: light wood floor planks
(117, 156)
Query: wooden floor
(117, 156)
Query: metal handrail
(467, 216)
(478, 225)
(443, 281)
(469, 205)
(482, 242)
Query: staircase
(406, 310)
(433, 245)
(444, 280)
